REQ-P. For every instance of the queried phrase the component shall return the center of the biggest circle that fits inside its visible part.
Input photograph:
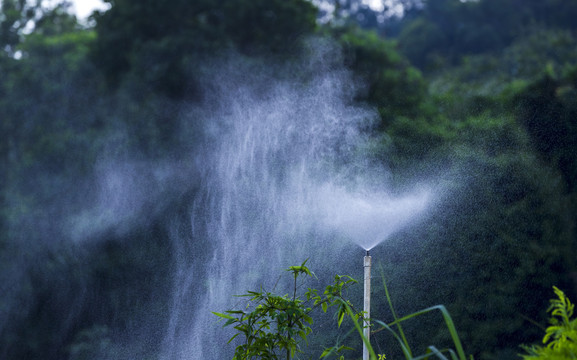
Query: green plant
(274, 326)
(560, 338)
(458, 354)
(431, 350)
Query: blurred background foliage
(480, 95)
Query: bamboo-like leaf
(344, 347)
(235, 312)
(341, 317)
(327, 352)
(232, 338)
(225, 316)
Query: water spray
(367, 304)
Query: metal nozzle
(367, 253)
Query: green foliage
(163, 43)
(504, 128)
(547, 108)
(359, 323)
(422, 42)
(396, 88)
(401, 338)
(270, 322)
(275, 26)
(274, 326)
(445, 31)
(14, 16)
(404, 344)
(560, 340)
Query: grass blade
(395, 314)
(448, 322)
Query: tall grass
(395, 328)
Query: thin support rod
(367, 303)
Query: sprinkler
(367, 304)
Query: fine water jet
(368, 218)
(368, 221)
(280, 173)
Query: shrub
(560, 340)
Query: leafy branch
(277, 324)
(561, 336)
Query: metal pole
(367, 308)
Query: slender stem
(295, 288)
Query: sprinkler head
(367, 253)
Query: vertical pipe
(367, 303)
